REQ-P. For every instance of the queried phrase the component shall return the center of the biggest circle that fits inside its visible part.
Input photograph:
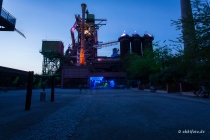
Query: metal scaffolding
(52, 52)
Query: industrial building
(80, 65)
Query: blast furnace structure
(80, 65)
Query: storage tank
(115, 52)
(147, 41)
(124, 40)
(55, 47)
(136, 44)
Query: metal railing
(5, 14)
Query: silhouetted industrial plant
(80, 64)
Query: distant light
(96, 78)
(112, 83)
(135, 34)
(124, 34)
(147, 34)
(87, 32)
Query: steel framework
(50, 65)
(52, 52)
(87, 28)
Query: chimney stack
(188, 28)
(82, 49)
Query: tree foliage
(152, 62)
(168, 65)
(196, 58)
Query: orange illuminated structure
(82, 50)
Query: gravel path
(103, 114)
(60, 124)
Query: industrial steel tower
(52, 52)
(82, 50)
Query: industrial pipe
(96, 42)
(78, 21)
(72, 34)
(82, 49)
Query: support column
(1, 2)
(52, 88)
(29, 90)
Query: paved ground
(104, 114)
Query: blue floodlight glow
(112, 83)
(100, 82)
(96, 78)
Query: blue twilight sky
(52, 20)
